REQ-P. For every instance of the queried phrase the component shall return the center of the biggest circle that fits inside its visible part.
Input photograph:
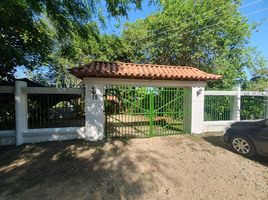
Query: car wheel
(243, 146)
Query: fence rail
(235, 105)
(218, 108)
(51, 113)
(50, 90)
(35, 114)
(55, 110)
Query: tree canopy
(33, 30)
(211, 35)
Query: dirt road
(170, 167)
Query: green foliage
(96, 47)
(218, 108)
(253, 107)
(33, 30)
(211, 35)
(259, 81)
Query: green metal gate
(144, 111)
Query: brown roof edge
(104, 69)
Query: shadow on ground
(97, 170)
(217, 140)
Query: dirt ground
(170, 167)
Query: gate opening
(145, 111)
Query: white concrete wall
(215, 126)
(53, 134)
(144, 82)
(94, 110)
(95, 122)
(197, 109)
(7, 137)
(24, 135)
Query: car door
(263, 139)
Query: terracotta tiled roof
(141, 71)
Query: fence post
(197, 98)
(94, 110)
(21, 111)
(237, 104)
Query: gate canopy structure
(118, 94)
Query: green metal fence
(218, 108)
(144, 111)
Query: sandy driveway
(170, 167)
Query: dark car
(248, 138)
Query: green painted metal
(144, 111)
(151, 111)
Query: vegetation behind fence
(61, 109)
(222, 107)
(253, 107)
(7, 111)
(55, 110)
(218, 108)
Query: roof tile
(141, 71)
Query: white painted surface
(197, 109)
(254, 93)
(21, 111)
(53, 134)
(94, 110)
(215, 126)
(145, 82)
(237, 105)
(52, 90)
(235, 92)
(220, 93)
(7, 137)
(95, 123)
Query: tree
(96, 47)
(210, 34)
(29, 29)
(258, 82)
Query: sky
(254, 10)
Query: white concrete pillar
(197, 109)
(94, 110)
(237, 105)
(21, 111)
